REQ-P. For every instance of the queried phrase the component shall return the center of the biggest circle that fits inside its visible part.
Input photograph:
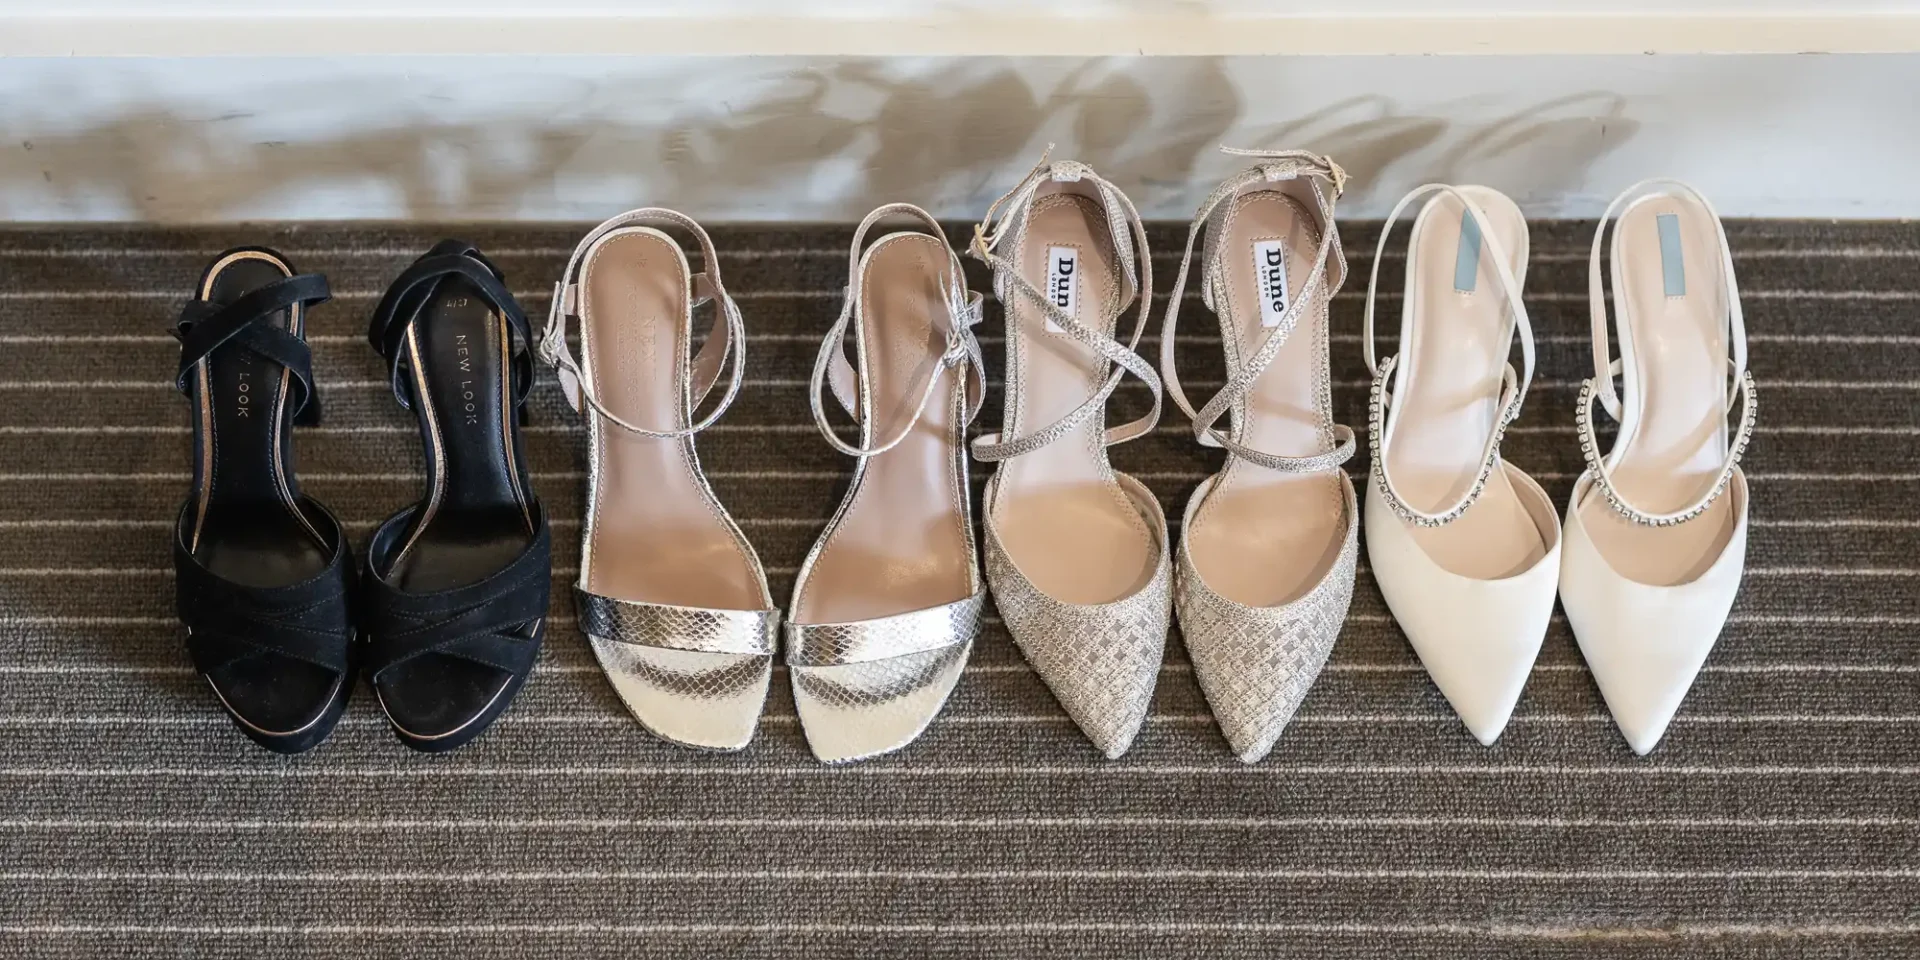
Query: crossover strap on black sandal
(205, 327)
(483, 622)
(310, 621)
(415, 286)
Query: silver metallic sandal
(671, 595)
(887, 605)
(1268, 546)
(1076, 553)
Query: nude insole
(1058, 511)
(655, 533)
(903, 543)
(1447, 387)
(1673, 325)
(1263, 537)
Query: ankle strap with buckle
(1130, 246)
(727, 337)
(1277, 165)
(833, 371)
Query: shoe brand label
(1270, 266)
(1063, 286)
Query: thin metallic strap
(1130, 246)
(1280, 165)
(1600, 387)
(1513, 386)
(832, 370)
(1604, 368)
(728, 335)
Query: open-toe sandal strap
(1513, 385)
(251, 322)
(1008, 216)
(1605, 369)
(310, 621)
(413, 290)
(1275, 166)
(485, 622)
(727, 338)
(833, 371)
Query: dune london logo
(1062, 262)
(1270, 266)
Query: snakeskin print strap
(1008, 215)
(917, 631)
(1277, 165)
(1600, 386)
(1513, 386)
(679, 628)
(728, 336)
(832, 370)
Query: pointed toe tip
(1112, 745)
(1486, 725)
(1642, 734)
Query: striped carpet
(1780, 818)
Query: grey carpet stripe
(1778, 819)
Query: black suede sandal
(261, 573)
(456, 586)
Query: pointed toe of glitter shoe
(1645, 643)
(694, 677)
(868, 688)
(1100, 660)
(1478, 638)
(1256, 664)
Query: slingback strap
(415, 286)
(833, 371)
(1009, 214)
(1604, 369)
(485, 622)
(728, 335)
(205, 327)
(1513, 387)
(309, 621)
(1276, 166)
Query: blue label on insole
(1466, 263)
(1672, 266)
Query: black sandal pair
(447, 616)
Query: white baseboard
(962, 29)
(815, 138)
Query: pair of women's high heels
(1469, 551)
(447, 615)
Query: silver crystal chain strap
(1513, 385)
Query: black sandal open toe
(457, 585)
(261, 572)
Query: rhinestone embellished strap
(728, 337)
(832, 370)
(1276, 166)
(1006, 215)
(1513, 385)
(1603, 477)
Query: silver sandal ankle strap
(1600, 386)
(1513, 389)
(1278, 165)
(1008, 215)
(833, 371)
(728, 335)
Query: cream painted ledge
(91, 33)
